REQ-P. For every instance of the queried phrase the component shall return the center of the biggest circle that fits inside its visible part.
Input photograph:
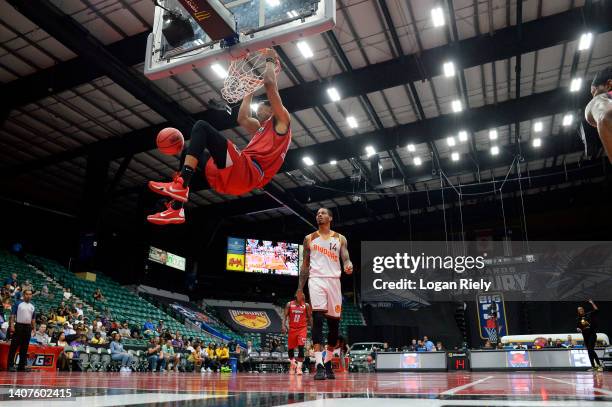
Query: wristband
(270, 60)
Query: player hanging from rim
(299, 315)
(229, 170)
(323, 250)
(599, 110)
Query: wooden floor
(350, 390)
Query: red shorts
(297, 337)
(241, 174)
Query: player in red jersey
(229, 170)
(299, 315)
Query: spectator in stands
(148, 329)
(12, 280)
(213, 363)
(488, 345)
(520, 346)
(222, 353)
(135, 332)
(7, 304)
(160, 327)
(41, 336)
(429, 345)
(244, 360)
(103, 332)
(118, 353)
(558, 343)
(155, 355)
(79, 308)
(172, 358)
(439, 347)
(65, 358)
(570, 342)
(97, 340)
(67, 293)
(194, 358)
(177, 342)
(421, 346)
(68, 329)
(97, 295)
(125, 330)
(500, 346)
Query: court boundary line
(603, 391)
(452, 391)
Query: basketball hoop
(245, 75)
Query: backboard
(258, 24)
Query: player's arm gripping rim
(305, 269)
(344, 255)
(245, 120)
(285, 327)
(281, 115)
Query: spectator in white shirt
(67, 293)
(79, 309)
(41, 335)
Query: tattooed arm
(344, 255)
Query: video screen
(518, 358)
(266, 256)
(166, 258)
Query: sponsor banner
(491, 316)
(424, 272)
(250, 319)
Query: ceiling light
(585, 41)
(308, 161)
(455, 156)
(417, 161)
(463, 136)
(273, 3)
(494, 150)
(568, 119)
(411, 148)
(575, 84)
(333, 162)
(456, 105)
(449, 69)
(370, 151)
(537, 142)
(493, 134)
(305, 49)
(437, 16)
(352, 122)
(450, 141)
(219, 70)
(538, 127)
(333, 94)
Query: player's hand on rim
(269, 53)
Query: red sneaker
(169, 216)
(174, 189)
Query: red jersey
(297, 315)
(268, 149)
(253, 167)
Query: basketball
(170, 141)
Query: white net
(245, 75)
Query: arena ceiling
(73, 89)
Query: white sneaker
(209, 370)
(202, 370)
(162, 370)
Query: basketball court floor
(354, 390)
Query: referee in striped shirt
(21, 325)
